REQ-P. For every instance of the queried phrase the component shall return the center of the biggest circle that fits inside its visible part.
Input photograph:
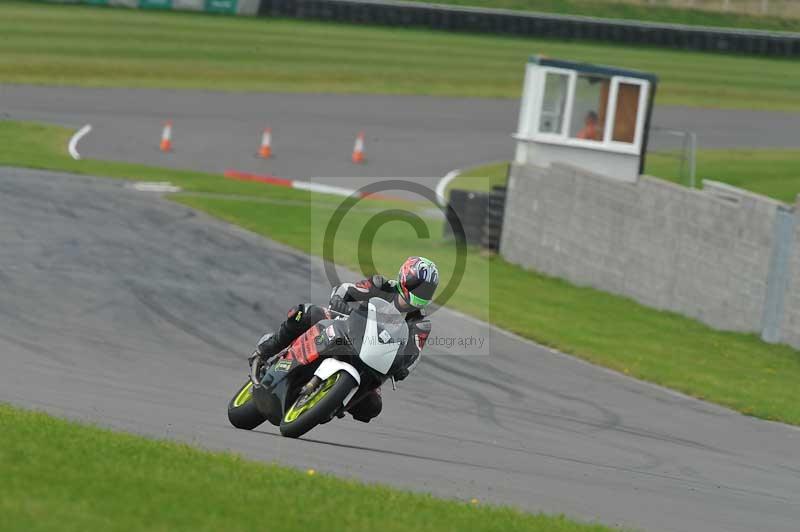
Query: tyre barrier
(481, 215)
(493, 224)
(497, 21)
(534, 24)
(470, 209)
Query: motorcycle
(324, 372)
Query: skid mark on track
(681, 480)
(609, 419)
(538, 416)
(151, 304)
(526, 447)
(485, 407)
(36, 349)
(453, 369)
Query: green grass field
(59, 475)
(737, 370)
(87, 46)
(642, 10)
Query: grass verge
(736, 370)
(481, 178)
(772, 172)
(59, 475)
(641, 10)
(99, 47)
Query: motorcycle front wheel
(242, 410)
(309, 410)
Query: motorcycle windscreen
(385, 335)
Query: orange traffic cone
(358, 149)
(265, 151)
(166, 137)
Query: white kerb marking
(323, 189)
(73, 142)
(441, 186)
(149, 186)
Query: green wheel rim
(295, 411)
(244, 395)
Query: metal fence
(680, 146)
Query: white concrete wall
(791, 315)
(705, 254)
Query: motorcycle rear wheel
(242, 410)
(308, 411)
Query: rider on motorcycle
(411, 292)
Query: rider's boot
(368, 407)
(271, 344)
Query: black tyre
(242, 410)
(308, 411)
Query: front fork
(254, 361)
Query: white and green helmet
(417, 281)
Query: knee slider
(296, 313)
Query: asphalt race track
(313, 134)
(122, 308)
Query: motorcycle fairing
(305, 348)
(379, 349)
(378, 332)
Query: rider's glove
(339, 305)
(400, 374)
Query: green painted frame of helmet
(417, 301)
(414, 301)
